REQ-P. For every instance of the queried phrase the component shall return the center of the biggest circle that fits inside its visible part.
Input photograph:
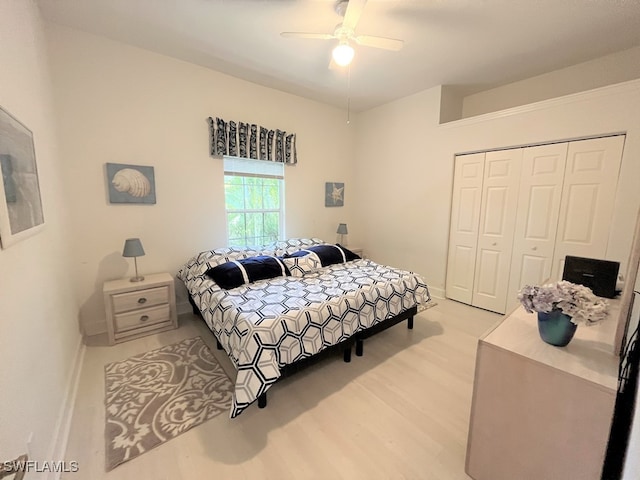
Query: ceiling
(471, 44)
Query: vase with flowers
(561, 307)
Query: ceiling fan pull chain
(348, 94)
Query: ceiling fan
(343, 53)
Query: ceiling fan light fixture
(343, 54)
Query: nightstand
(136, 309)
(358, 251)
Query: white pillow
(300, 266)
(294, 244)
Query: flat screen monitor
(599, 275)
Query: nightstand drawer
(149, 297)
(142, 317)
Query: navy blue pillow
(247, 270)
(328, 254)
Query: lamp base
(136, 279)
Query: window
(254, 201)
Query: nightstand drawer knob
(142, 300)
(144, 318)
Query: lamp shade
(343, 54)
(342, 229)
(133, 248)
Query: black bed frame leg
(347, 354)
(218, 345)
(194, 307)
(262, 400)
(359, 347)
(410, 323)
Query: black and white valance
(238, 139)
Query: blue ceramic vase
(556, 328)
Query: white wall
(121, 104)
(402, 186)
(408, 158)
(39, 336)
(614, 68)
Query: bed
(270, 326)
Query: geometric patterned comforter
(266, 325)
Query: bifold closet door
(517, 213)
(498, 210)
(463, 235)
(536, 224)
(588, 199)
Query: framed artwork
(20, 201)
(333, 194)
(131, 183)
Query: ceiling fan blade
(315, 36)
(379, 42)
(352, 15)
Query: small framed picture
(131, 183)
(333, 194)
(20, 202)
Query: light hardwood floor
(400, 411)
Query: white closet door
(588, 197)
(537, 220)
(495, 236)
(463, 235)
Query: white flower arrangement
(576, 301)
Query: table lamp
(133, 248)
(342, 230)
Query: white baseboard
(437, 292)
(58, 446)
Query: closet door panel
(579, 220)
(536, 225)
(463, 235)
(495, 236)
(489, 263)
(534, 269)
(588, 198)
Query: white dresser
(539, 411)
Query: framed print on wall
(131, 183)
(333, 194)
(20, 202)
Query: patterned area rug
(425, 306)
(155, 396)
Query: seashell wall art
(130, 183)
